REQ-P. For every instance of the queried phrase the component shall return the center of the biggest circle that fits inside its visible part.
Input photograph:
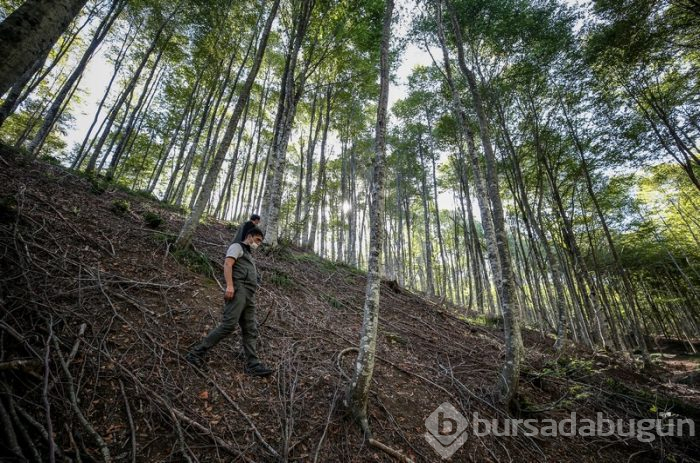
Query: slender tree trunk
(510, 374)
(320, 184)
(84, 147)
(187, 233)
(130, 124)
(427, 235)
(358, 392)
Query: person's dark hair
(255, 231)
(255, 217)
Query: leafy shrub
(195, 261)
(144, 194)
(281, 279)
(152, 219)
(120, 206)
(50, 160)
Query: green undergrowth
(193, 260)
(488, 321)
(280, 279)
(584, 382)
(153, 220)
(323, 264)
(120, 206)
(100, 184)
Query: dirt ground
(86, 282)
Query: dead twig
(228, 398)
(180, 436)
(325, 428)
(39, 427)
(76, 345)
(104, 449)
(36, 457)
(130, 419)
(45, 393)
(10, 436)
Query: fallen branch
(325, 428)
(21, 364)
(36, 457)
(164, 403)
(40, 429)
(394, 453)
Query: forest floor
(86, 283)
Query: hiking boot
(258, 370)
(196, 360)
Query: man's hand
(228, 295)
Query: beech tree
(29, 32)
(358, 392)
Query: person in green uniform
(246, 227)
(239, 307)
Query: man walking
(244, 229)
(241, 282)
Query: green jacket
(244, 271)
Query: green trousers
(239, 310)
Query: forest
(536, 173)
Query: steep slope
(88, 285)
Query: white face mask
(254, 245)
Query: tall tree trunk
(12, 100)
(629, 291)
(358, 392)
(52, 114)
(258, 144)
(84, 147)
(130, 123)
(510, 374)
(127, 93)
(187, 233)
(308, 181)
(427, 238)
(292, 90)
(34, 78)
(320, 184)
(27, 34)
